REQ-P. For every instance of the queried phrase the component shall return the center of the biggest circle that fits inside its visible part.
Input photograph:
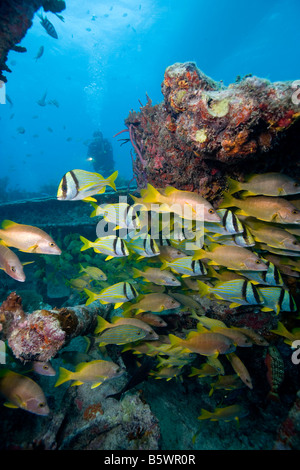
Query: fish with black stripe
(116, 294)
(112, 246)
(239, 291)
(271, 277)
(277, 299)
(79, 185)
(144, 246)
(48, 26)
(185, 266)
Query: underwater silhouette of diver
(100, 153)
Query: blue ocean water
(108, 55)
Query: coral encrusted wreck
(203, 131)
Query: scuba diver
(100, 153)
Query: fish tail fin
(111, 180)
(233, 186)
(205, 414)
(86, 244)
(64, 376)
(199, 254)
(136, 272)
(228, 201)
(92, 296)
(101, 324)
(164, 265)
(203, 288)
(175, 341)
(95, 206)
(150, 194)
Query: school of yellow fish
(234, 254)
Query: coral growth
(41, 334)
(203, 132)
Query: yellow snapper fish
(267, 208)
(153, 303)
(22, 392)
(226, 414)
(161, 278)
(237, 337)
(240, 369)
(79, 185)
(205, 370)
(94, 372)
(272, 235)
(93, 273)
(11, 264)
(116, 294)
(232, 257)
(112, 246)
(117, 321)
(186, 204)
(226, 382)
(290, 336)
(238, 292)
(27, 238)
(121, 334)
(152, 319)
(122, 215)
(186, 266)
(267, 184)
(255, 337)
(204, 343)
(169, 253)
(167, 373)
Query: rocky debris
(203, 131)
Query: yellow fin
(10, 405)
(7, 223)
(108, 258)
(118, 305)
(77, 382)
(96, 385)
(89, 199)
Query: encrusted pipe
(40, 335)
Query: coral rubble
(203, 131)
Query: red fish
(275, 371)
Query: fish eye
(258, 261)
(13, 268)
(296, 185)
(45, 367)
(295, 211)
(51, 244)
(42, 405)
(211, 211)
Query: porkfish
(116, 294)
(22, 392)
(94, 372)
(27, 238)
(81, 185)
